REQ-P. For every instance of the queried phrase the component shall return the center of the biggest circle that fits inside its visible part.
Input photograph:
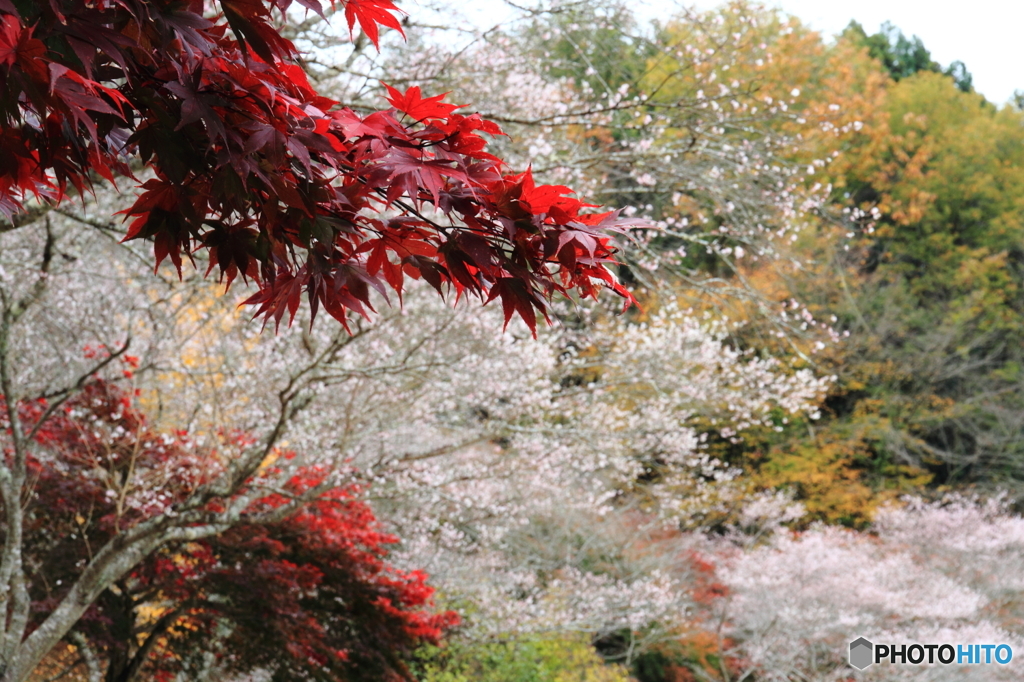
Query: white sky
(987, 35)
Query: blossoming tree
(247, 164)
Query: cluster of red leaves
(277, 183)
(311, 596)
(703, 647)
(705, 588)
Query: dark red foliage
(311, 596)
(277, 183)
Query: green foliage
(556, 658)
(902, 56)
(592, 44)
(940, 284)
(929, 389)
(696, 655)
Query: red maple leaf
(276, 182)
(370, 13)
(413, 103)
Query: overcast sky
(987, 35)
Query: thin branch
(88, 654)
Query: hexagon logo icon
(862, 653)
